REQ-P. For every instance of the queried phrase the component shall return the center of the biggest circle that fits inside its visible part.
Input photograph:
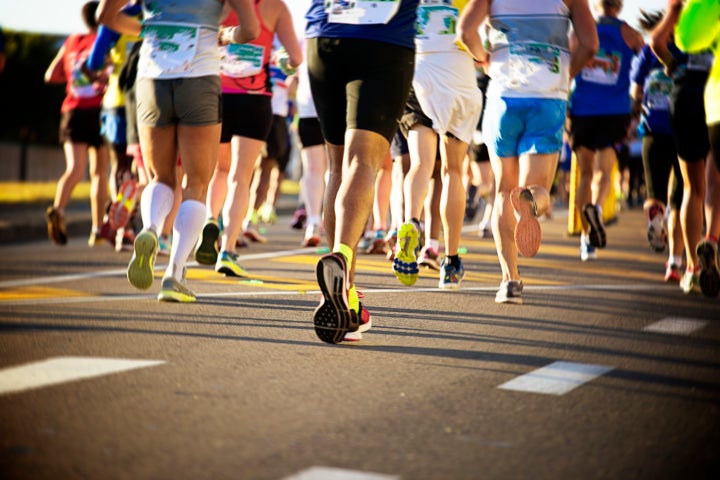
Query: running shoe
(690, 282)
(267, 214)
(312, 236)
(174, 291)
(596, 234)
(120, 209)
(298, 219)
(365, 325)
(510, 291)
(405, 262)
(164, 244)
(206, 253)
(379, 244)
(673, 273)
(528, 233)
(656, 232)
(142, 264)
(365, 242)
(333, 318)
(587, 251)
(429, 257)
(255, 236)
(450, 276)
(707, 253)
(227, 263)
(56, 226)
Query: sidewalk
(22, 211)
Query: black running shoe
(597, 228)
(333, 318)
(709, 275)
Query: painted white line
(288, 293)
(558, 378)
(327, 473)
(676, 326)
(58, 370)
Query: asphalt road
(605, 372)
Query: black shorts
(246, 115)
(596, 132)
(480, 152)
(399, 146)
(659, 158)
(278, 142)
(687, 111)
(309, 132)
(81, 126)
(413, 115)
(358, 84)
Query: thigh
(198, 101)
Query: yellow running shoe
(142, 264)
(405, 263)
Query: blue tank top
(399, 30)
(648, 72)
(603, 86)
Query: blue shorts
(515, 126)
(113, 126)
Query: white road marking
(328, 473)
(676, 326)
(54, 371)
(558, 378)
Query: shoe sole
(333, 318)
(596, 235)
(405, 262)
(56, 229)
(119, 212)
(511, 300)
(528, 234)
(232, 271)
(312, 242)
(429, 263)
(206, 253)
(140, 271)
(657, 239)
(173, 296)
(709, 276)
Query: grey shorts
(193, 101)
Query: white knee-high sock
(155, 204)
(188, 225)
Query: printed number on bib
(241, 60)
(604, 69)
(168, 48)
(361, 12)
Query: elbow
(250, 32)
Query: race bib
(529, 59)
(361, 12)
(168, 48)
(657, 90)
(604, 69)
(241, 60)
(700, 62)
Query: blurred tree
(29, 109)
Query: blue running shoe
(450, 277)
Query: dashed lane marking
(676, 326)
(54, 371)
(558, 378)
